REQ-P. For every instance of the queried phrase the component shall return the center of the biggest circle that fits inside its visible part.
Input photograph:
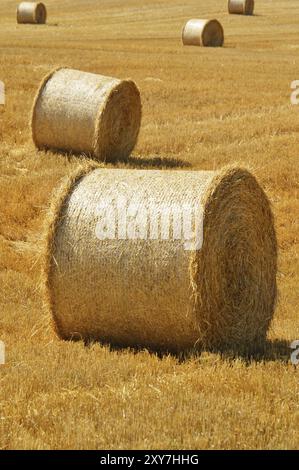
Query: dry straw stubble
(86, 113)
(31, 12)
(208, 33)
(153, 292)
(241, 7)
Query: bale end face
(41, 14)
(206, 33)
(118, 124)
(236, 268)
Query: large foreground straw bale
(86, 113)
(207, 33)
(241, 7)
(114, 273)
(31, 12)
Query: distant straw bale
(31, 12)
(208, 33)
(86, 113)
(241, 7)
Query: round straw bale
(207, 33)
(241, 7)
(31, 12)
(86, 113)
(137, 287)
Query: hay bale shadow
(277, 350)
(157, 162)
(131, 162)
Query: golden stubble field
(204, 108)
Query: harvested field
(203, 108)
